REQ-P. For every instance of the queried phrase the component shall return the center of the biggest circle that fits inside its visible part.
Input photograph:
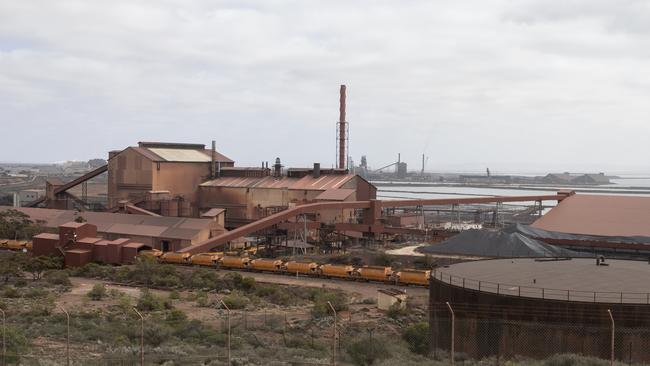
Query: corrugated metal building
(164, 233)
(599, 215)
(247, 198)
(175, 168)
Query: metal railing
(542, 292)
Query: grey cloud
(469, 83)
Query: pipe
(316, 172)
(212, 157)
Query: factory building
(250, 194)
(79, 245)
(169, 173)
(162, 233)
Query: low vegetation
(169, 297)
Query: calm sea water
(628, 186)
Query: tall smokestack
(422, 165)
(342, 128)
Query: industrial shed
(606, 224)
(249, 198)
(174, 168)
(601, 215)
(163, 233)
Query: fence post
(67, 338)
(613, 329)
(334, 335)
(284, 329)
(4, 339)
(453, 323)
(228, 312)
(141, 336)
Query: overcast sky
(516, 85)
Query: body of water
(628, 186)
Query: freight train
(307, 268)
(231, 260)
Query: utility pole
(333, 335)
(453, 321)
(228, 312)
(4, 339)
(67, 339)
(141, 336)
(611, 317)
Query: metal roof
(322, 183)
(178, 233)
(601, 215)
(140, 230)
(213, 212)
(125, 224)
(136, 245)
(340, 194)
(47, 236)
(581, 276)
(181, 155)
(392, 292)
(168, 154)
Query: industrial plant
(527, 261)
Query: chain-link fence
(474, 331)
(357, 336)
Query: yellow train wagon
(307, 268)
(336, 270)
(150, 253)
(14, 244)
(374, 273)
(273, 265)
(176, 258)
(234, 262)
(414, 277)
(210, 259)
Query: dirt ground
(77, 299)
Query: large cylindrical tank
(336, 270)
(414, 276)
(234, 262)
(301, 267)
(266, 264)
(375, 273)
